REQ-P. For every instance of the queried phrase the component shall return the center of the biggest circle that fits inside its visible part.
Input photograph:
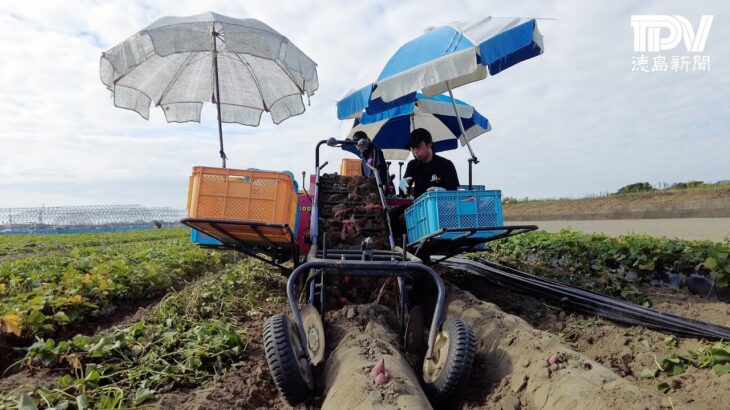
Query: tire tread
(282, 360)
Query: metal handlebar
(384, 204)
(367, 268)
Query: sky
(572, 122)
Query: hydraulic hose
(589, 302)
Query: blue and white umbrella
(444, 58)
(389, 130)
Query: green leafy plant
(649, 373)
(41, 294)
(706, 355)
(601, 263)
(189, 336)
(673, 365)
(718, 264)
(716, 356)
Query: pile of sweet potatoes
(350, 211)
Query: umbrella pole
(218, 94)
(473, 159)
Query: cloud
(571, 122)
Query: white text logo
(654, 33)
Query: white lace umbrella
(178, 63)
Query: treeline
(647, 187)
(638, 187)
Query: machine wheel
(454, 348)
(315, 334)
(289, 368)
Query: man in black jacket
(428, 170)
(373, 156)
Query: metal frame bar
(314, 216)
(372, 269)
(223, 231)
(384, 204)
(188, 221)
(380, 258)
(252, 252)
(475, 229)
(256, 230)
(375, 251)
(274, 250)
(468, 232)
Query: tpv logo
(654, 33)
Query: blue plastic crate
(200, 238)
(454, 209)
(473, 188)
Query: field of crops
(124, 320)
(14, 245)
(55, 289)
(89, 280)
(616, 265)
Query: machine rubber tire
(292, 377)
(456, 367)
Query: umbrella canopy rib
(253, 77)
(182, 68)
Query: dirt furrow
(513, 369)
(359, 338)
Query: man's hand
(405, 183)
(435, 189)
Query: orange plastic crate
(243, 195)
(350, 167)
